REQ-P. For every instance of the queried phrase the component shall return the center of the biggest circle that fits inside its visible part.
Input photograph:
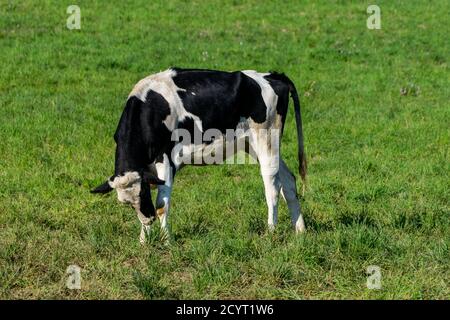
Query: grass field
(376, 117)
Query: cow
(192, 101)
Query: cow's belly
(218, 151)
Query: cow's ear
(152, 178)
(105, 187)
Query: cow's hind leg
(272, 190)
(268, 161)
(289, 192)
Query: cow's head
(133, 188)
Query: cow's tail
(302, 167)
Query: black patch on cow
(194, 131)
(210, 95)
(220, 99)
(251, 101)
(281, 88)
(146, 205)
(141, 134)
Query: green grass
(379, 168)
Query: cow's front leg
(162, 210)
(145, 226)
(165, 172)
(145, 231)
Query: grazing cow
(179, 101)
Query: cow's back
(211, 95)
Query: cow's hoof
(165, 238)
(300, 229)
(142, 237)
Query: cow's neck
(131, 156)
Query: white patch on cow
(128, 187)
(163, 84)
(268, 94)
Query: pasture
(375, 107)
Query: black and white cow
(195, 100)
